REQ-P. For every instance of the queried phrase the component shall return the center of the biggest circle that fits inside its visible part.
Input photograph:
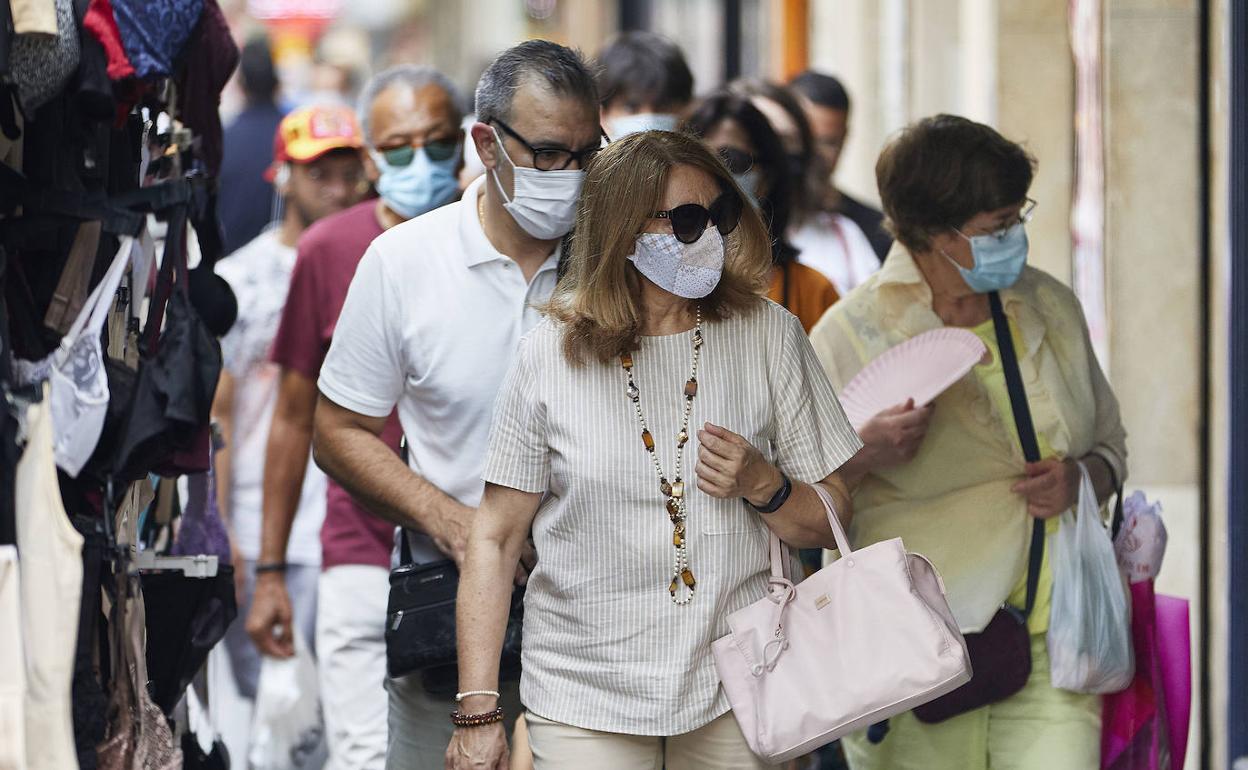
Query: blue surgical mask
(748, 182)
(642, 121)
(420, 186)
(999, 259)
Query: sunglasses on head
(737, 161)
(689, 221)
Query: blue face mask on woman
(999, 259)
(422, 185)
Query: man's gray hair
(559, 68)
(412, 75)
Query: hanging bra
(167, 427)
(75, 371)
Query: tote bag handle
(779, 560)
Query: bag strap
(1026, 436)
(172, 276)
(777, 548)
(405, 548)
(95, 310)
(1116, 522)
(70, 295)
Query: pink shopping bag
(1145, 726)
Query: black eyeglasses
(437, 150)
(737, 161)
(554, 158)
(689, 221)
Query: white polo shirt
(431, 323)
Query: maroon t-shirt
(328, 254)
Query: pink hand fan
(921, 368)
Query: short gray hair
(412, 75)
(560, 68)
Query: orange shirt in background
(804, 291)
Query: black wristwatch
(777, 500)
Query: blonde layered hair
(598, 301)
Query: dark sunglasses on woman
(689, 221)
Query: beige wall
(1036, 106)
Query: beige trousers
(720, 745)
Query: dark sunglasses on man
(690, 220)
(436, 150)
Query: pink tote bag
(1145, 727)
(861, 640)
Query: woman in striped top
(652, 429)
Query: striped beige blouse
(605, 648)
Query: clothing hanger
(128, 557)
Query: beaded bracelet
(476, 720)
(459, 696)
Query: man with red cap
(317, 170)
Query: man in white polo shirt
(431, 323)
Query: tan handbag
(138, 737)
(861, 640)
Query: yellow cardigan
(952, 502)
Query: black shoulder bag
(420, 624)
(1001, 653)
(420, 621)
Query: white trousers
(719, 745)
(351, 658)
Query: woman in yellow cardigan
(950, 478)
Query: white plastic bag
(287, 731)
(1141, 542)
(1090, 624)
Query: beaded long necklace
(683, 582)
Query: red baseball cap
(309, 132)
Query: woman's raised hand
(893, 436)
(729, 466)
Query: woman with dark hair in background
(744, 140)
(828, 237)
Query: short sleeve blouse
(605, 648)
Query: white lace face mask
(689, 270)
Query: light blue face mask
(999, 259)
(642, 121)
(420, 186)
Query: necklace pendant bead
(687, 576)
(682, 438)
(678, 534)
(648, 440)
(678, 489)
(633, 392)
(665, 487)
(673, 509)
(626, 360)
(691, 387)
(671, 589)
(697, 338)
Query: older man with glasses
(431, 324)
(410, 118)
